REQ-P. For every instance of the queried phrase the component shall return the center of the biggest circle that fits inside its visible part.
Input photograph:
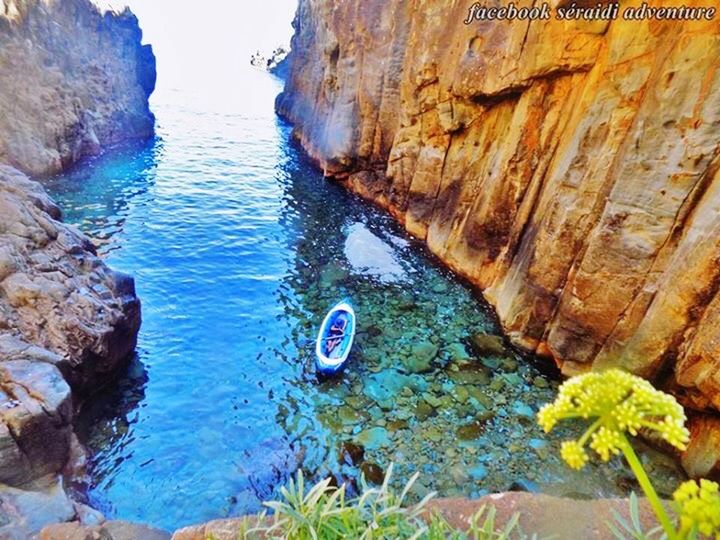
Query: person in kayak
(337, 330)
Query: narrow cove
(239, 246)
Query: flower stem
(648, 489)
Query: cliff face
(568, 169)
(72, 80)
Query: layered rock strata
(73, 80)
(569, 169)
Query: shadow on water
(106, 418)
(239, 246)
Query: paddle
(308, 342)
(333, 337)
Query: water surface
(239, 247)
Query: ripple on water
(239, 248)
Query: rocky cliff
(569, 169)
(72, 80)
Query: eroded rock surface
(110, 530)
(568, 169)
(73, 79)
(66, 320)
(55, 293)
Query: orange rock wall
(568, 169)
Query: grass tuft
(324, 513)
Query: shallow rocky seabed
(432, 386)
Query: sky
(210, 46)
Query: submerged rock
(351, 454)
(457, 352)
(470, 431)
(373, 438)
(383, 387)
(485, 344)
(421, 357)
(372, 473)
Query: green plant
(618, 404)
(323, 513)
(633, 529)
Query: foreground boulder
(569, 169)
(544, 515)
(110, 530)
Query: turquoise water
(239, 247)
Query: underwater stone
(406, 301)
(478, 472)
(521, 409)
(478, 395)
(440, 287)
(373, 473)
(459, 474)
(331, 275)
(509, 364)
(513, 379)
(422, 355)
(470, 374)
(432, 434)
(488, 344)
(470, 431)
(424, 410)
(432, 399)
(457, 352)
(349, 416)
(373, 438)
(351, 454)
(396, 425)
(461, 394)
(386, 385)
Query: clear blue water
(239, 247)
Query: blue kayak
(335, 339)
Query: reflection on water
(239, 247)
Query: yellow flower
(698, 505)
(619, 403)
(573, 454)
(606, 443)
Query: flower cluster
(619, 403)
(698, 505)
